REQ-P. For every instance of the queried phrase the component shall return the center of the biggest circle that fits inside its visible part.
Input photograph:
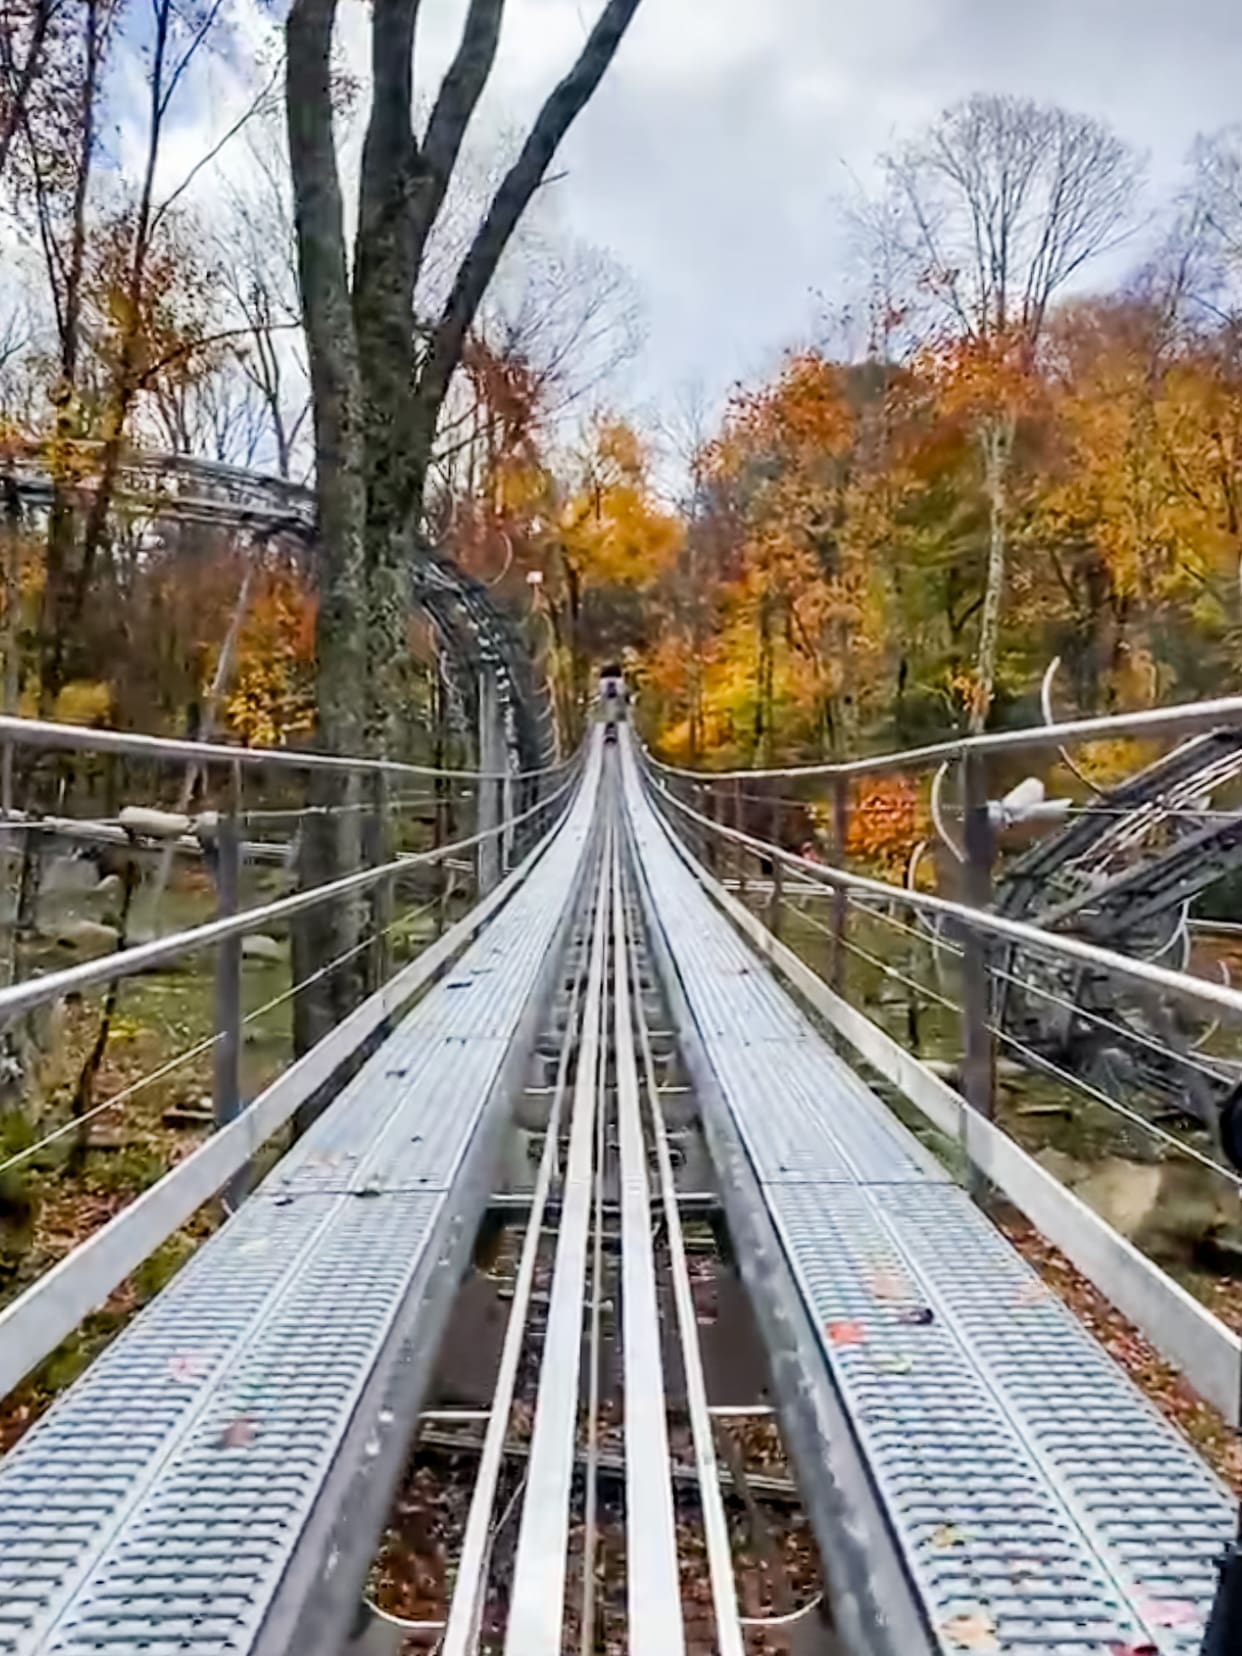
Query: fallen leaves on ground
(1172, 1394)
(973, 1630)
(846, 1333)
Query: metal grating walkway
(156, 1507)
(1041, 1506)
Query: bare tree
(1005, 202)
(1218, 177)
(402, 373)
(60, 139)
(563, 318)
(261, 279)
(1212, 223)
(180, 32)
(25, 29)
(571, 311)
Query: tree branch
(21, 80)
(455, 104)
(205, 160)
(563, 106)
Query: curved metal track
(476, 632)
(1123, 875)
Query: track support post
(491, 763)
(711, 810)
(226, 1055)
(978, 1047)
(377, 850)
(840, 897)
(739, 825)
(778, 868)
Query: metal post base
(1223, 1636)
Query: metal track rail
(652, 1585)
(715, 1524)
(462, 1629)
(536, 1609)
(215, 1481)
(1036, 1502)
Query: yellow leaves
(520, 489)
(612, 528)
(947, 1536)
(83, 702)
(973, 1630)
(272, 698)
(1148, 445)
(617, 445)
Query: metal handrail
(41, 991)
(46, 734)
(54, 1304)
(1191, 718)
(1144, 972)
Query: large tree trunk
(996, 439)
(56, 620)
(383, 300)
(402, 192)
(330, 842)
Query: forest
(1015, 438)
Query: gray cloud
(716, 157)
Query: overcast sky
(718, 153)
(717, 157)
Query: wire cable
(1044, 1064)
(76, 1123)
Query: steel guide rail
(1199, 991)
(1179, 1326)
(172, 1499)
(48, 735)
(1040, 1504)
(537, 1596)
(729, 1638)
(470, 1589)
(653, 1587)
(1190, 719)
(21, 997)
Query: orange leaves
(845, 1333)
(985, 377)
(974, 1630)
(887, 820)
(273, 682)
(805, 411)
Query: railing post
(491, 761)
(377, 850)
(840, 897)
(443, 810)
(226, 1055)
(739, 825)
(978, 1046)
(506, 815)
(711, 810)
(778, 867)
